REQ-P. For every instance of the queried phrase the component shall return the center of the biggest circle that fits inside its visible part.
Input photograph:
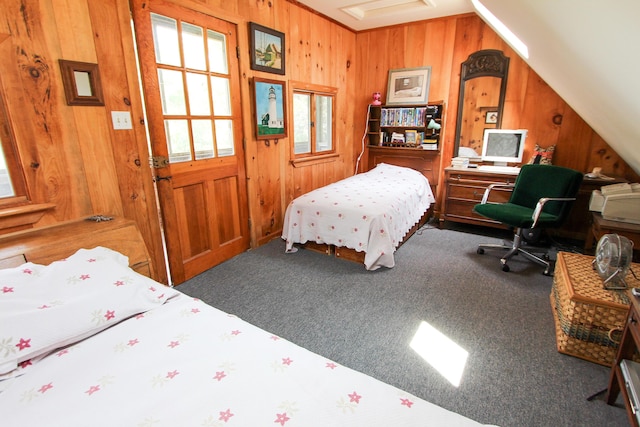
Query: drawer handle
(618, 336)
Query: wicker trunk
(589, 319)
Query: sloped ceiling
(586, 50)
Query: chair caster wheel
(546, 257)
(480, 251)
(506, 268)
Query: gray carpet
(365, 320)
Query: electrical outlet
(121, 120)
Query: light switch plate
(121, 120)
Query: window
(193, 76)
(313, 120)
(12, 184)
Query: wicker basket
(589, 319)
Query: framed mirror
(483, 84)
(81, 83)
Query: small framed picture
(408, 86)
(410, 137)
(270, 108)
(267, 49)
(491, 117)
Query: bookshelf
(406, 126)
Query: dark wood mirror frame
(483, 63)
(75, 96)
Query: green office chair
(541, 198)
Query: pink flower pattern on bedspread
(370, 212)
(224, 370)
(185, 363)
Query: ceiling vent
(386, 7)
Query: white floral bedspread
(370, 212)
(189, 364)
(173, 360)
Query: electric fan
(612, 261)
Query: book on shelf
(460, 162)
(397, 137)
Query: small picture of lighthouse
(270, 108)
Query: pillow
(546, 155)
(46, 307)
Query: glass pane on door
(198, 92)
(224, 138)
(202, 139)
(178, 140)
(193, 47)
(171, 92)
(217, 52)
(221, 95)
(165, 40)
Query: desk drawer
(462, 210)
(475, 193)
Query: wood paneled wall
(74, 158)
(530, 103)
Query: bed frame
(44, 245)
(353, 255)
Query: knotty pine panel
(58, 154)
(71, 155)
(529, 103)
(128, 147)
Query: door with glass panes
(191, 90)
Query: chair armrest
(540, 205)
(487, 190)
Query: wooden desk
(465, 187)
(601, 226)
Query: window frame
(313, 91)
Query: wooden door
(191, 86)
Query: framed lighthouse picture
(270, 108)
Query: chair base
(514, 248)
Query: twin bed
(370, 213)
(87, 340)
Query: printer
(617, 202)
